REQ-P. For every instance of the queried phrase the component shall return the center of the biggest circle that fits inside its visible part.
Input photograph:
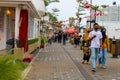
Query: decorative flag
(87, 6)
(85, 1)
(101, 13)
(97, 13)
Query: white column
(17, 22)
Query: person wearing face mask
(103, 51)
(95, 37)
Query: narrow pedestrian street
(59, 40)
(55, 62)
(59, 62)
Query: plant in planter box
(32, 41)
(42, 42)
(11, 69)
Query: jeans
(94, 55)
(99, 57)
(103, 57)
(64, 41)
(50, 41)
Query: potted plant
(42, 42)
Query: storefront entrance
(7, 26)
(2, 30)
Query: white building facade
(10, 21)
(111, 20)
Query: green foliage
(44, 40)
(97, 7)
(94, 7)
(71, 21)
(55, 10)
(70, 24)
(31, 41)
(52, 17)
(9, 69)
(47, 2)
(71, 18)
(104, 6)
(100, 27)
(78, 1)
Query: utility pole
(95, 16)
(90, 14)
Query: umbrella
(70, 30)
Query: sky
(68, 8)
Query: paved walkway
(60, 62)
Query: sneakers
(83, 62)
(98, 65)
(93, 70)
(103, 67)
(88, 62)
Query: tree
(47, 2)
(80, 9)
(52, 15)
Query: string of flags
(76, 19)
(92, 12)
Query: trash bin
(115, 49)
(119, 47)
(110, 41)
(10, 46)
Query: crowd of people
(95, 44)
(62, 37)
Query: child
(86, 44)
(86, 53)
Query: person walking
(50, 36)
(96, 43)
(59, 37)
(64, 37)
(76, 39)
(85, 46)
(105, 48)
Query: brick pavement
(60, 62)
